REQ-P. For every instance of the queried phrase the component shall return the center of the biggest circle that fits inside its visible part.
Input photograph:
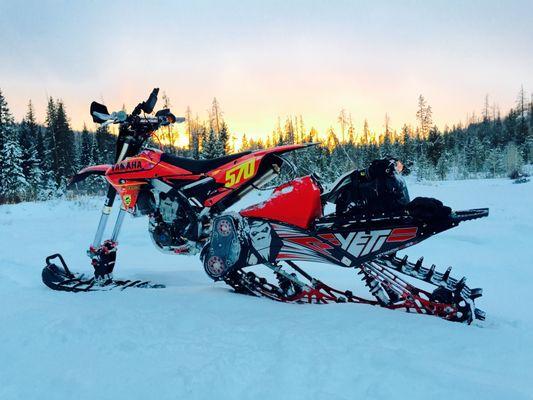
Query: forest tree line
(37, 160)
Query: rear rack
(467, 215)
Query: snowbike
(373, 219)
(179, 195)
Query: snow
(198, 340)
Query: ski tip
(476, 293)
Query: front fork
(103, 254)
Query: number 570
(240, 173)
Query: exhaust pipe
(270, 174)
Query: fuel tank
(296, 203)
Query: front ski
(59, 277)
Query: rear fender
(86, 172)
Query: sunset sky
(267, 59)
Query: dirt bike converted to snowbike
(179, 195)
(185, 200)
(373, 219)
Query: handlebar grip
(150, 103)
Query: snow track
(197, 340)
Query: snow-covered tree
(215, 117)
(209, 146)
(494, 162)
(443, 166)
(29, 134)
(424, 168)
(223, 140)
(513, 160)
(64, 141)
(424, 116)
(14, 184)
(435, 145)
(6, 126)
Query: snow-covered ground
(198, 340)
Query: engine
(168, 209)
(168, 223)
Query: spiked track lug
(446, 275)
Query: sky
(268, 59)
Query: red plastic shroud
(297, 203)
(128, 176)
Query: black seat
(200, 166)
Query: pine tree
(223, 139)
(529, 140)
(65, 144)
(424, 168)
(513, 160)
(435, 145)
(196, 133)
(209, 146)
(343, 121)
(366, 133)
(424, 116)
(301, 129)
(88, 157)
(443, 165)
(6, 125)
(216, 117)
(332, 140)
(50, 139)
(245, 145)
(86, 148)
(188, 118)
(494, 162)
(486, 109)
(29, 138)
(13, 185)
(407, 146)
(289, 131)
(388, 139)
(48, 187)
(105, 144)
(522, 125)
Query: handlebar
(148, 105)
(101, 115)
(135, 129)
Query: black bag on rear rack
(375, 190)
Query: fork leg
(106, 210)
(118, 224)
(108, 205)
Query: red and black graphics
(224, 177)
(346, 247)
(241, 173)
(402, 234)
(295, 244)
(362, 243)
